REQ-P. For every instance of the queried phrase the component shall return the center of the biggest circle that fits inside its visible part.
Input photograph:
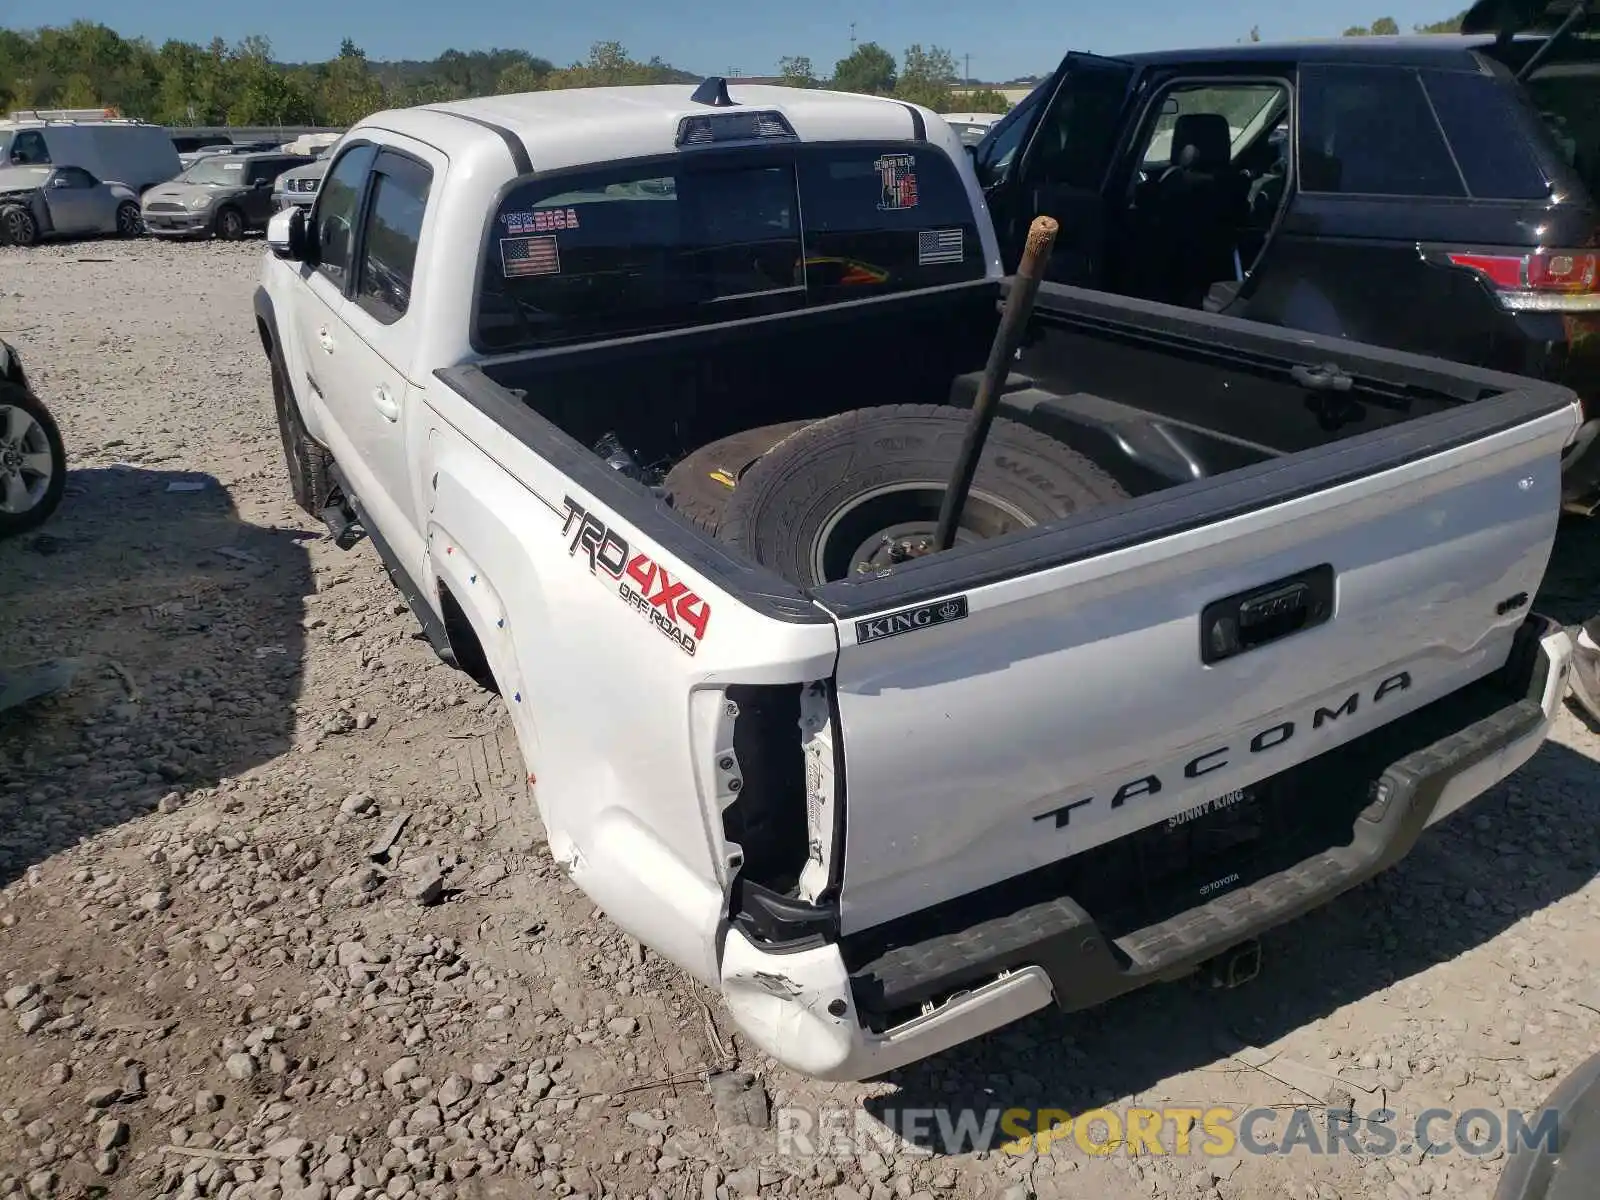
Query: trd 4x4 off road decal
(644, 585)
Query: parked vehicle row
(656, 439)
(73, 174)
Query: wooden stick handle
(1019, 307)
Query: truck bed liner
(667, 393)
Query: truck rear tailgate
(1133, 668)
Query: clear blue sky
(712, 37)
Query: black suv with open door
(1435, 194)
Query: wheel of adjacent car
(129, 222)
(699, 486)
(33, 461)
(855, 494)
(309, 465)
(230, 224)
(17, 226)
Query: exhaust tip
(1234, 967)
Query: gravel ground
(218, 983)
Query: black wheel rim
(18, 226)
(230, 224)
(127, 219)
(874, 532)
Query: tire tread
(748, 523)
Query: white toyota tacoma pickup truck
(646, 397)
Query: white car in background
(971, 127)
(132, 153)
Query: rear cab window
(885, 218)
(707, 236)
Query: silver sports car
(38, 202)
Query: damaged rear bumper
(871, 1002)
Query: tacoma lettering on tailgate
(1272, 738)
(643, 584)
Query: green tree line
(87, 65)
(1389, 27)
(925, 76)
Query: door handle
(325, 339)
(385, 403)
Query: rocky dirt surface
(277, 920)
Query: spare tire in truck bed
(856, 493)
(699, 485)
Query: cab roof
(582, 126)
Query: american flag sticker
(940, 246)
(529, 256)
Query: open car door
(1050, 157)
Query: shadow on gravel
(1463, 884)
(184, 626)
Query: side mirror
(286, 234)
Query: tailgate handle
(1245, 621)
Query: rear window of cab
(706, 236)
